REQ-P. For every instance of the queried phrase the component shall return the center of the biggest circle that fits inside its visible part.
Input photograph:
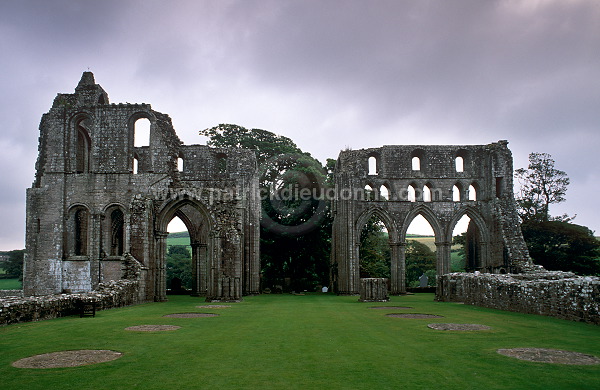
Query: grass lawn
(301, 342)
(10, 284)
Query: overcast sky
(329, 74)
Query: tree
(374, 252)
(179, 262)
(295, 222)
(541, 185)
(14, 265)
(563, 246)
(419, 260)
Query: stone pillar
(198, 269)
(160, 292)
(443, 263)
(398, 268)
(373, 290)
(95, 249)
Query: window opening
(455, 194)
(459, 163)
(141, 135)
(117, 233)
(426, 193)
(372, 165)
(384, 193)
(472, 192)
(81, 232)
(416, 163)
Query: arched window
(180, 163)
(117, 233)
(472, 192)
(369, 193)
(384, 193)
(80, 232)
(135, 165)
(416, 163)
(83, 147)
(456, 193)
(459, 163)
(427, 193)
(411, 194)
(372, 165)
(141, 132)
(221, 163)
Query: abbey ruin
(100, 204)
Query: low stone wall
(108, 295)
(11, 293)
(556, 294)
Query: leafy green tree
(14, 265)
(179, 265)
(553, 242)
(459, 255)
(563, 246)
(374, 252)
(541, 185)
(419, 260)
(295, 222)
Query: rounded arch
(134, 118)
(78, 228)
(364, 217)
(81, 125)
(429, 216)
(114, 231)
(373, 163)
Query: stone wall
(556, 294)
(108, 295)
(11, 293)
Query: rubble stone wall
(109, 295)
(556, 294)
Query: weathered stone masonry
(98, 212)
(441, 183)
(97, 199)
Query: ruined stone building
(100, 205)
(101, 202)
(441, 183)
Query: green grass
(10, 284)
(301, 342)
(180, 238)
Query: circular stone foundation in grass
(390, 307)
(413, 315)
(213, 306)
(152, 328)
(190, 315)
(60, 359)
(543, 355)
(459, 327)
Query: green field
(10, 284)
(301, 342)
(180, 238)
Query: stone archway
(198, 223)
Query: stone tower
(99, 202)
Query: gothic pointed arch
(382, 215)
(428, 214)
